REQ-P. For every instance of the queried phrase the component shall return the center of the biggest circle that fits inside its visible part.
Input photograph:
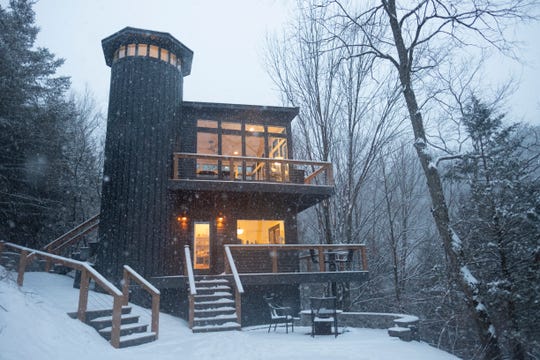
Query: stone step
(106, 321)
(126, 329)
(228, 326)
(136, 339)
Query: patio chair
(279, 315)
(344, 261)
(323, 316)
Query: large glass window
(260, 231)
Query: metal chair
(323, 316)
(279, 315)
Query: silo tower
(145, 103)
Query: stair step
(94, 314)
(212, 281)
(213, 297)
(106, 321)
(213, 288)
(136, 339)
(228, 326)
(126, 329)
(214, 320)
(213, 304)
(211, 312)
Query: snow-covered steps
(131, 331)
(214, 306)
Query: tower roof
(129, 35)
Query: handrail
(87, 273)
(192, 289)
(319, 247)
(233, 269)
(58, 244)
(129, 274)
(323, 166)
(238, 288)
(189, 270)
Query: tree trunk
(451, 243)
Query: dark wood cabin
(190, 179)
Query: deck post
(155, 314)
(83, 295)
(22, 267)
(175, 166)
(321, 259)
(116, 318)
(125, 288)
(191, 310)
(274, 255)
(238, 305)
(364, 258)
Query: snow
(469, 278)
(34, 324)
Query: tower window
(154, 52)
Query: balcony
(303, 182)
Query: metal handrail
(234, 271)
(189, 270)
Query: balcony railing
(245, 168)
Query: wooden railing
(319, 254)
(238, 288)
(192, 289)
(261, 169)
(27, 255)
(73, 236)
(129, 274)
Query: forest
(430, 173)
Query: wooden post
(321, 259)
(227, 269)
(273, 254)
(22, 267)
(116, 318)
(125, 288)
(329, 175)
(155, 314)
(238, 302)
(83, 295)
(364, 258)
(175, 167)
(1, 247)
(191, 311)
(48, 265)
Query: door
(201, 246)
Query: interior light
(239, 231)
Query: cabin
(206, 195)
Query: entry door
(201, 246)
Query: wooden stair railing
(192, 289)
(238, 288)
(27, 255)
(71, 237)
(129, 274)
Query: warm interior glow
(201, 246)
(260, 231)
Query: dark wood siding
(145, 96)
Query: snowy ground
(34, 324)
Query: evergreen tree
(500, 222)
(35, 123)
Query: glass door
(201, 246)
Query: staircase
(131, 331)
(214, 305)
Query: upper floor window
(146, 50)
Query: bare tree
(415, 39)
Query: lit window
(172, 59)
(121, 52)
(115, 57)
(154, 51)
(142, 49)
(231, 126)
(131, 50)
(260, 231)
(165, 55)
(207, 124)
(252, 128)
(276, 129)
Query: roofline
(287, 113)
(164, 39)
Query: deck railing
(335, 257)
(246, 168)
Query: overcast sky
(227, 38)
